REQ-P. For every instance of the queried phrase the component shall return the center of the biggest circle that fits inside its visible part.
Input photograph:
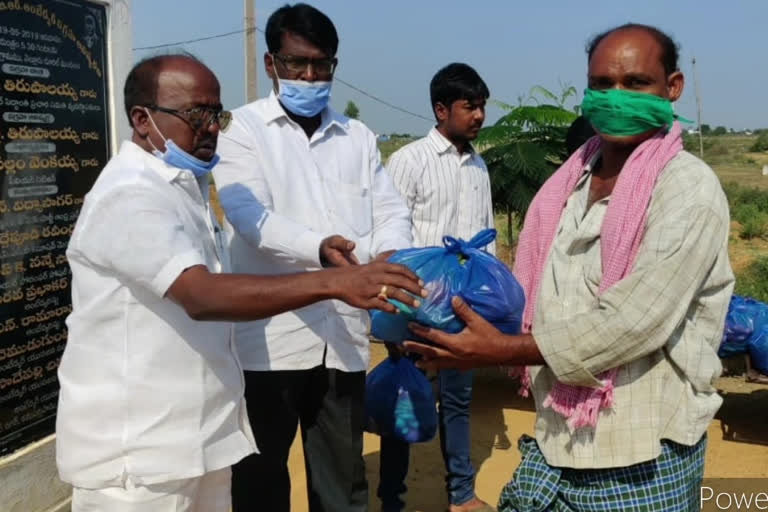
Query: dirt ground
(738, 443)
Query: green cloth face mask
(624, 113)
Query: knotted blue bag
(399, 402)
(739, 326)
(746, 331)
(459, 268)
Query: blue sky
(391, 49)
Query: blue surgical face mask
(305, 99)
(177, 157)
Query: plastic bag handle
(480, 240)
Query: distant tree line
(722, 130)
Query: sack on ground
(758, 350)
(745, 319)
(746, 331)
(738, 326)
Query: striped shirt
(448, 193)
(661, 325)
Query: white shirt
(448, 193)
(148, 395)
(283, 194)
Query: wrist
(521, 349)
(330, 283)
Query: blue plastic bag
(459, 268)
(746, 331)
(399, 402)
(746, 318)
(738, 328)
(758, 350)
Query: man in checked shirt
(624, 260)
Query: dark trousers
(329, 407)
(455, 398)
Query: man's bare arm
(239, 297)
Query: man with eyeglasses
(292, 172)
(151, 410)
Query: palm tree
(524, 148)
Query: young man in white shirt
(445, 184)
(293, 171)
(151, 411)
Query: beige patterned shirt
(661, 325)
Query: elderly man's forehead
(185, 75)
(627, 51)
(630, 39)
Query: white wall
(120, 54)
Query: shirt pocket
(352, 207)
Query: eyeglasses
(199, 117)
(296, 64)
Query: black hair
(305, 21)
(456, 81)
(578, 133)
(141, 84)
(670, 50)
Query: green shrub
(761, 144)
(739, 195)
(731, 189)
(744, 212)
(755, 227)
(753, 280)
(691, 144)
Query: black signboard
(54, 140)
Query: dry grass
(732, 160)
(390, 146)
(743, 252)
(745, 172)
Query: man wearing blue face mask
(151, 411)
(292, 172)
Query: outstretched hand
(369, 286)
(475, 346)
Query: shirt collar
(443, 145)
(169, 173)
(328, 117)
(588, 168)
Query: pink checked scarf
(620, 237)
